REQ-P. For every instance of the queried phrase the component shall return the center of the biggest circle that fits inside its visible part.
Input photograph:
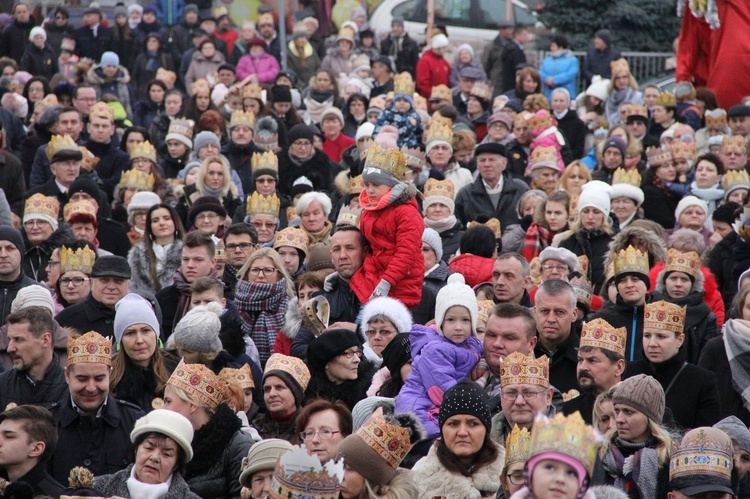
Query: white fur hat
(596, 194)
(456, 293)
(37, 30)
(439, 41)
(396, 312)
(687, 202)
(628, 191)
(365, 130)
(561, 255)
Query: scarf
(537, 238)
(315, 107)
(262, 307)
(183, 305)
(160, 252)
(215, 193)
(441, 225)
(637, 471)
(707, 194)
(133, 23)
(321, 235)
(615, 99)
(300, 161)
(140, 490)
(152, 62)
(737, 345)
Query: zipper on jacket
(633, 332)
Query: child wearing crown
(392, 225)
(400, 113)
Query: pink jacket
(266, 67)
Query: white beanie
(37, 30)
(467, 48)
(439, 41)
(33, 296)
(133, 309)
(169, 423)
(391, 308)
(133, 7)
(198, 330)
(599, 88)
(686, 203)
(365, 130)
(143, 201)
(431, 237)
(456, 293)
(595, 194)
(561, 255)
(628, 191)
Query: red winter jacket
(475, 269)
(712, 297)
(432, 70)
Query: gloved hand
(382, 290)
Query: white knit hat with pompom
(456, 293)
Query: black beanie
(85, 184)
(465, 397)
(725, 213)
(299, 131)
(397, 353)
(12, 235)
(281, 93)
(328, 345)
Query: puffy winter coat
(438, 365)
(292, 325)
(395, 236)
(473, 202)
(39, 61)
(266, 67)
(140, 264)
(563, 68)
(712, 296)
(117, 85)
(117, 485)
(475, 269)
(451, 239)
(200, 66)
(432, 70)
(721, 263)
(594, 244)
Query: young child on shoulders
(401, 113)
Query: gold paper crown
(89, 161)
(618, 66)
(583, 290)
(414, 157)
(485, 309)
(136, 179)
(252, 91)
(570, 436)
(600, 334)
(683, 150)
(143, 150)
(445, 188)
(657, 156)
(348, 216)
(91, 347)
(492, 223)
(540, 120)
(182, 127)
(518, 368)
(631, 260)
(82, 207)
(360, 60)
(583, 264)
(200, 85)
(389, 161)
(356, 185)
(441, 92)
(377, 102)
(403, 84)
(735, 179)
(544, 156)
(39, 204)
(258, 204)
(701, 453)
(60, 143)
(610, 272)
(299, 475)
(734, 144)
(346, 33)
(242, 118)
(420, 103)
(166, 76)
(81, 260)
(102, 110)
(200, 383)
(243, 376)
(440, 131)
(220, 253)
(438, 119)
(293, 366)
(718, 122)
(482, 89)
(638, 110)
(517, 446)
(390, 442)
(630, 177)
(666, 99)
(264, 161)
(677, 261)
(293, 237)
(664, 316)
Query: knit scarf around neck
(320, 236)
(640, 469)
(713, 193)
(441, 225)
(316, 107)
(152, 63)
(183, 286)
(617, 97)
(737, 345)
(262, 307)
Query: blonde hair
(600, 400)
(203, 171)
(183, 395)
(633, 81)
(271, 254)
(663, 442)
(574, 165)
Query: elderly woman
(214, 179)
(42, 233)
(162, 451)
(691, 213)
(219, 443)
(464, 461)
(627, 196)
(157, 256)
(436, 270)
(209, 215)
(322, 426)
(382, 319)
(137, 214)
(337, 369)
(74, 282)
(439, 214)
(313, 208)
(258, 62)
(574, 130)
(258, 467)
(304, 160)
(622, 90)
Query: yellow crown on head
(440, 120)
(656, 156)
(540, 120)
(517, 446)
(703, 451)
(89, 161)
(265, 161)
(493, 224)
(348, 216)
(143, 150)
(81, 207)
(683, 150)
(638, 110)
(482, 89)
(102, 110)
(569, 435)
(677, 261)
(440, 131)
(356, 185)
(414, 157)
(716, 119)
(619, 66)
(258, 204)
(242, 376)
(403, 84)
(91, 347)
(200, 383)
(445, 188)
(485, 309)
(81, 260)
(544, 156)
(60, 143)
(136, 179)
(242, 118)
(631, 260)
(664, 316)
(420, 103)
(293, 237)
(518, 368)
(734, 144)
(182, 127)
(200, 85)
(39, 204)
(735, 179)
(666, 99)
(441, 92)
(583, 290)
(252, 91)
(601, 334)
(389, 161)
(630, 177)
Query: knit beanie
(37, 30)
(725, 213)
(319, 257)
(33, 296)
(332, 112)
(281, 93)
(687, 202)
(182, 175)
(302, 185)
(365, 130)
(595, 194)
(465, 397)
(737, 431)
(456, 293)
(617, 143)
(206, 203)
(110, 59)
(431, 237)
(439, 41)
(300, 131)
(262, 456)
(365, 407)
(328, 345)
(642, 393)
(392, 309)
(203, 138)
(12, 235)
(133, 309)
(397, 353)
(198, 330)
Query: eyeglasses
(302, 143)
(268, 271)
(351, 353)
(76, 281)
(526, 394)
(324, 434)
(242, 246)
(515, 478)
(555, 267)
(207, 216)
(267, 225)
(381, 332)
(38, 223)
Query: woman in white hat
(258, 466)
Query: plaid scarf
(184, 287)
(537, 238)
(262, 307)
(635, 474)
(737, 345)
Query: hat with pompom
(456, 293)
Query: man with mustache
(601, 363)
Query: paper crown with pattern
(485, 309)
(619, 65)
(143, 150)
(220, 251)
(583, 290)
(91, 347)
(544, 157)
(258, 204)
(438, 119)
(716, 119)
(518, 368)
(541, 120)
(387, 160)
(638, 110)
(200, 85)
(242, 118)
(292, 237)
(390, 442)
(403, 84)
(81, 260)
(89, 161)
(414, 157)
(440, 130)
(630, 177)
(360, 61)
(356, 185)
(242, 376)
(252, 91)
(631, 260)
(734, 144)
(664, 316)
(81, 208)
(293, 366)
(677, 261)
(39, 204)
(349, 216)
(264, 161)
(683, 150)
(441, 92)
(299, 475)
(666, 99)
(199, 383)
(420, 103)
(583, 264)
(735, 179)
(569, 435)
(492, 224)
(482, 89)
(656, 156)
(136, 179)
(443, 188)
(102, 110)
(702, 452)
(517, 446)
(60, 143)
(182, 127)
(599, 333)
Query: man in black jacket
(67, 122)
(240, 149)
(12, 278)
(513, 56)
(598, 58)
(182, 33)
(65, 167)
(15, 38)
(401, 48)
(92, 39)
(112, 161)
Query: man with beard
(601, 362)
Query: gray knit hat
(643, 393)
(431, 237)
(198, 330)
(737, 431)
(203, 138)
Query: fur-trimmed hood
(342, 181)
(292, 319)
(95, 76)
(698, 285)
(657, 248)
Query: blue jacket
(169, 12)
(563, 69)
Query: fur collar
(140, 263)
(292, 319)
(697, 285)
(211, 440)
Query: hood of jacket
(697, 287)
(292, 319)
(657, 248)
(96, 76)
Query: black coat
(574, 131)
(56, 34)
(700, 323)
(517, 160)
(693, 398)
(349, 392)
(240, 158)
(124, 46)
(229, 202)
(659, 205)
(39, 62)
(15, 39)
(168, 299)
(37, 136)
(145, 111)
(101, 444)
(583, 404)
(473, 202)
(12, 182)
(37, 257)
(562, 363)
(594, 244)
(714, 358)
(513, 55)
(620, 314)
(286, 430)
(319, 169)
(16, 387)
(405, 54)
(138, 384)
(89, 315)
(597, 63)
(42, 484)
(112, 162)
(113, 237)
(8, 292)
(721, 263)
(451, 239)
(140, 76)
(93, 47)
(437, 278)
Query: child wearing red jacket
(392, 225)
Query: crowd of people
(371, 269)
